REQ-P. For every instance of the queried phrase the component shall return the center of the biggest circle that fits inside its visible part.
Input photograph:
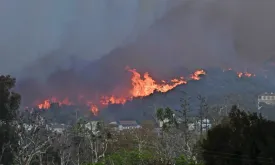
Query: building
(125, 124)
(267, 98)
(204, 124)
(58, 128)
(194, 124)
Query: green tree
(9, 104)
(167, 117)
(135, 157)
(243, 139)
(182, 160)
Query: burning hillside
(142, 85)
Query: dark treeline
(236, 137)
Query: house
(128, 124)
(268, 98)
(58, 128)
(125, 124)
(193, 125)
(92, 126)
(205, 123)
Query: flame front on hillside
(241, 74)
(142, 86)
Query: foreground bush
(141, 158)
(243, 139)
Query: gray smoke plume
(212, 33)
(42, 37)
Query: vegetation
(9, 103)
(244, 139)
(237, 137)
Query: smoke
(42, 35)
(212, 33)
(39, 36)
(100, 37)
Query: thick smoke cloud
(161, 36)
(52, 31)
(235, 33)
(197, 33)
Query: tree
(203, 112)
(167, 118)
(184, 117)
(135, 139)
(9, 104)
(243, 139)
(34, 140)
(62, 145)
(91, 140)
(174, 140)
(97, 140)
(145, 157)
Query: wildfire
(146, 85)
(241, 74)
(196, 75)
(245, 74)
(105, 100)
(93, 108)
(141, 86)
(47, 103)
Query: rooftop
(127, 122)
(267, 94)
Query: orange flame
(146, 85)
(241, 74)
(105, 100)
(196, 75)
(245, 74)
(93, 108)
(141, 86)
(47, 103)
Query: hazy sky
(33, 29)
(48, 32)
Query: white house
(125, 124)
(268, 98)
(192, 126)
(206, 125)
(58, 128)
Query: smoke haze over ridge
(40, 35)
(32, 30)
